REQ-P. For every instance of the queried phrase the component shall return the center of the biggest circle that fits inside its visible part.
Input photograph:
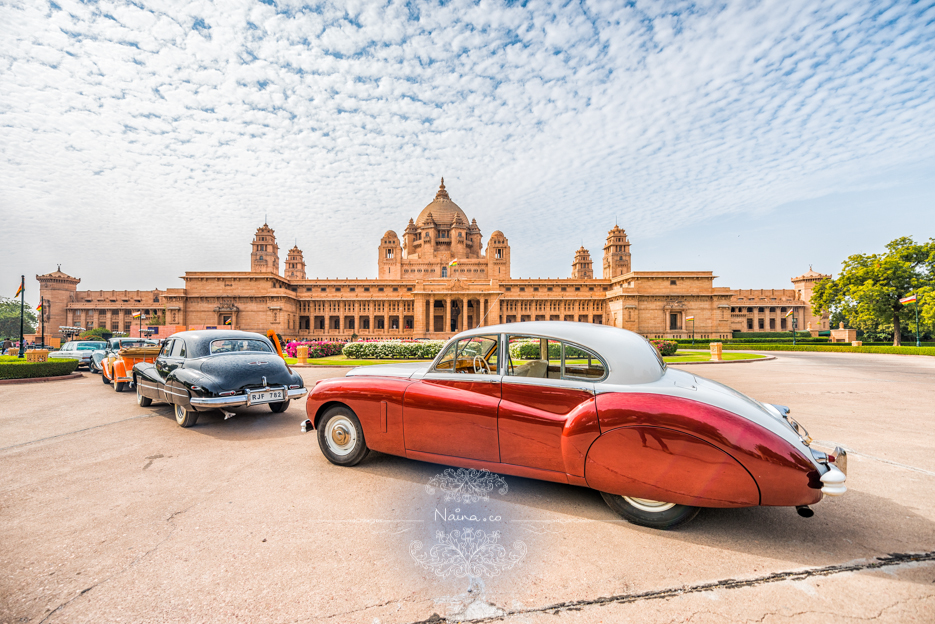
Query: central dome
(443, 210)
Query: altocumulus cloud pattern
(336, 119)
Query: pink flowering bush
(665, 347)
(316, 348)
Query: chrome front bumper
(244, 399)
(833, 480)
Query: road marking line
(78, 431)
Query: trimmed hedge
(787, 340)
(15, 368)
(529, 350)
(839, 348)
(779, 334)
(393, 350)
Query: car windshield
(89, 346)
(237, 345)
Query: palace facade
(438, 279)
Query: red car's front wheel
(341, 437)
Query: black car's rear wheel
(650, 513)
(184, 417)
(278, 408)
(341, 437)
(140, 399)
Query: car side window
(534, 356)
(581, 363)
(178, 348)
(166, 348)
(472, 356)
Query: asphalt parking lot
(112, 513)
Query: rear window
(238, 345)
(90, 346)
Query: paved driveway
(111, 512)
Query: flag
(790, 312)
(138, 314)
(909, 299)
(39, 308)
(228, 321)
(19, 290)
(689, 318)
(453, 263)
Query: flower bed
(393, 349)
(666, 347)
(316, 348)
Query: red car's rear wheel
(650, 513)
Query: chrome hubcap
(652, 506)
(341, 435)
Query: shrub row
(842, 348)
(781, 334)
(529, 350)
(316, 348)
(15, 368)
(704, 341)
(393, 350)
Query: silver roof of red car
(630, 358)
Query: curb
(762, 359)
(74, 375)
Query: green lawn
(705, 356)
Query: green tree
(9, 319)
(869, 287)
(97, 333)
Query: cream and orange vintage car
(582, 404)
(117, 367)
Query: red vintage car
(583, 404)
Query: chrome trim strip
(167, 391)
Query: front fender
(377, 401)
(147, 371)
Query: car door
(166, 362)
(452, 410)
(538, 398)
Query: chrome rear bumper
(244, 399)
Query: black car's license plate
(269, 396)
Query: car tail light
(232, 392)
(831, 458)
(293, 386)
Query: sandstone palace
(436, 280)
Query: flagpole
(42, 320)
(22, 313)
(918, 344)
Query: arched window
(444, 271)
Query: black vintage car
(198, 371)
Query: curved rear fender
(783, 475)
(671, 466)
(146, 370)
(377, 401)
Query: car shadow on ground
(839, 531)
(248, 423)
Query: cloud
(169, 129)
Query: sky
(143, 139)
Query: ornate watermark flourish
(466, 485)
(468, 552)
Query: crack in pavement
(892, 559)
(67, 433)
(851, 451)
